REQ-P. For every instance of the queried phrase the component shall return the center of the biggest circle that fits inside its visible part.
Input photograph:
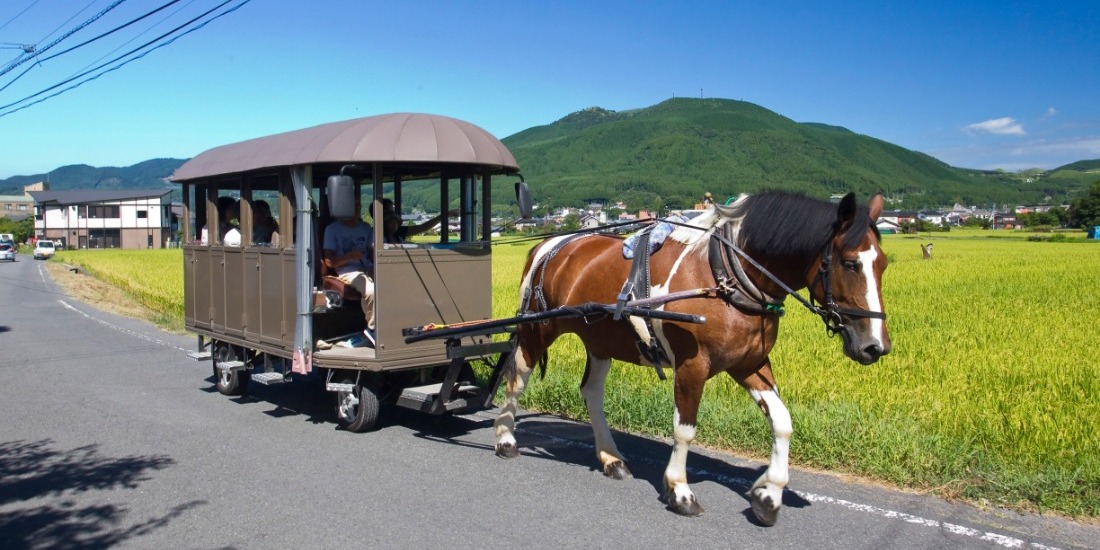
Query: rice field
(991, 393)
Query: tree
(1085, 211)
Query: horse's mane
(782, 224)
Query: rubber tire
(234, 382)
(360, 417)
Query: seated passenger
(392, 230)
(349, 252)
(229, 209)
(265, 230)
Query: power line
(62, 37)
(16, 16)
(85, 43)
(123, 63)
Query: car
(43, 250)
(7, 252)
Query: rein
(830, 312)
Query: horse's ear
(847, 210)
(874, 207)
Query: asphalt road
(111, 437)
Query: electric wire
(85, 43)
(16, 16)
(123, 63)
(58, 40)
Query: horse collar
(738, 290)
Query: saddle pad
(659, 232)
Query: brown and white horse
(832, 249)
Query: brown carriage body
(261, 307)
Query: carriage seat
(330, 282)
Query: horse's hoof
(617, 470)
(765, 512)
(507, 450)
(685, 506)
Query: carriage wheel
(229, 382)
(357, 410)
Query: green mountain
(670, 154)
(150, 174)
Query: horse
(775, 244)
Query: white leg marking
(867, 258)
(505, 424)
(775, 478)
(676, 471)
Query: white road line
(123, 330)
(986, 536)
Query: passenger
(392, 230)
(349, 252)
(229, 209)
(265, 230)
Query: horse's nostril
(874, 350)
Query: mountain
(670, 154)
(150, 174)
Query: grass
(991, 393)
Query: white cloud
(997, 126)
(1051, 111)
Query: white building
(104, 219)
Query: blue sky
(976, 84)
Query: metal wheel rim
(349, 406)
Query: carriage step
(423, 398)
(230, 365)
(334, 386)
(268, 378)
(199, 355)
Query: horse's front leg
(690, 379)
(766, 494)
(516, 375)
(592, 388)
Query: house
(105, 219)
(16, 207)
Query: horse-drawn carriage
(706, 303)
(262, 304)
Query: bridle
(830, 312)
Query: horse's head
(848, 281)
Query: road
(112, 437)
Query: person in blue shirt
(349, 252)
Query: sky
(979, 84)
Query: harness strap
(637, 287)
(536, 288)
(738, 290)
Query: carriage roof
(392, 138)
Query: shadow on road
(547, 437)
(35, 471)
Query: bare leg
(592, 388)
(690, 379)
(767, 493)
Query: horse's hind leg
(515, 380)
(766, 494)
(592, 388)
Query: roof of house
(68, 198)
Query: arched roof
(399, 137)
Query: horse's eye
(852, 265)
